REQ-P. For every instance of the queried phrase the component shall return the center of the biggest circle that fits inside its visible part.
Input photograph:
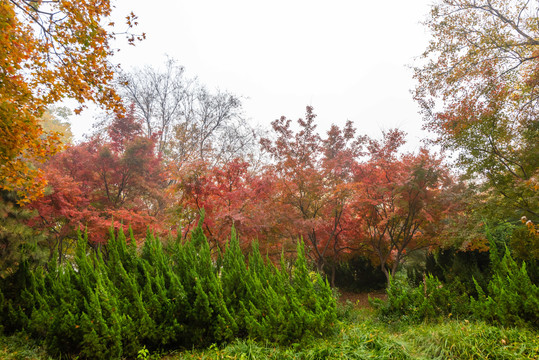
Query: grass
(20, 347)
(362, 336)
(359, 336)
(466, 340)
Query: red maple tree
(113, 179)
(402, 201)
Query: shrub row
(510, 298)
(110, 303)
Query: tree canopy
(49, 50)
(478, 88)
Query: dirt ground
(361, 300)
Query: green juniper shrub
(314, 297)
(510, 297)
(205, 315)
(457, 269)
(525, 247)
(430, 300)
(19, 242)
(270, 303)
(15, 309)
(240, 287)
(112, 301)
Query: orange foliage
(114, 176)
(230, 195)
(48, 51)
(402, 202)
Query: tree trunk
(386, 273)
(320, 264)
(333, 270)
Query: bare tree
(191, 122)
(158, 97)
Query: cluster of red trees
(341, 193)
(182, 148)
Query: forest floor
(361, 299)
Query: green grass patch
(359, 336)
(472, 340)
(362, 336)
(21, 347)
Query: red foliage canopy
(114, 179)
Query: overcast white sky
(347, 58)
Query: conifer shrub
(405, 302)
(510, 298)
(524, 246)
(112, 302)
(457, 269)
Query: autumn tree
(114, 178)
(402, 201)
(191, 122)
(48, 50)
(313, 182)
(231, 195)
(477, 84)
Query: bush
(114, 302)
(458, 268)
(525, 247)
(510, 298)
(429, 300)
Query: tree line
(171, 148)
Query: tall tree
(402, 201)
(478, 87)
(48, 50)
(313, 182)
(114, 176)
(190, 122)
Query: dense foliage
(49, 50)
(370, 213)
(361, 337)
(477, 84)
(110, 303)
(510, 297)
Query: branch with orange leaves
(49, 50)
